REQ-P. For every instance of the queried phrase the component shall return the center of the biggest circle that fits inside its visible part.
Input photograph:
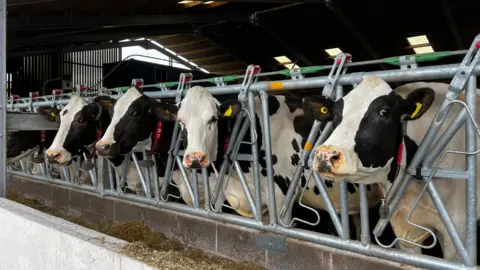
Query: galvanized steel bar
(268, 158)
(140, 173)
(471, 162)
(344, 210)
(365, 226)
(421, 73)
(156, 188)
(206, 186)
(3, 98)
(148, 183)
(186, 181)
(329, 205)
(196, 190)
(255, 163)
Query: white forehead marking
(121, 107)
(355, 105)
(198, 102)
(75, 105)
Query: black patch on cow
(357, 185)
(303, 181)
(295, 146)
(282, 182)
(24, 140)
(273, 105)
(315, 189)
(369, 187)
(375, 140)
(328, 183)
(264, 172)
(302, 124)
(65, 112)
(351, 188)
(411, 148)
(337, 113)
(295, 159)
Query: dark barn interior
(48, 39)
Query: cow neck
(397, 159)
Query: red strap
(400, 152)
(99, 136)
(43, 136)
(380, 191)
(225, 146)
(158, 135)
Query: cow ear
(321, 108)
(418, 102)
(51, 114)
(105, 102)
(229, 108)
(166, 112)
(96, 111)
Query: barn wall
(40, 239)
(29, 73)
(219, 238)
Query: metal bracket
(163, 87)
(32, 96)
(296, 74)
(219, 81)
(408, 62)
(465, 69)
(55, 94)
(249, 78)
(184, 82)
(271, 242)
(338, 69)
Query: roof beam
(142, 43)
(346, 21)
(289, 47)
(173, 56)
(208, 58)
(452, 24)
(198, 51)
(106, 35)
(83, 20)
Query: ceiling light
(291, 66)
(333, 51)
(425, 49)
(204, 70)
(418, 40)
(185, 2)
(208, 2)
(283, 59)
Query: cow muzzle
(103, 148)
(195, 160)
(58, 156)
(334, 161)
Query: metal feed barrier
(101, 172)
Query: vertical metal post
(255, 164)
(3, 98)
(471, 164)
(207, 189)
(365, 226)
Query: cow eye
(80, 120)
(135, 114)
(384, 112)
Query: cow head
(134, 118)
(367, 130)
(198, 116)
(78, 125)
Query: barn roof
(225, 36)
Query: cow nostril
(335, 158)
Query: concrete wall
(219, 238)
(30, 239)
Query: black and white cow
(368, 139)
(134, 120)
(205, 123)
(80, 125)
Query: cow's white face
(198, 115)
(367, 130)
(78, 128)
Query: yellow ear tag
(417, 109)
(166, 110)
(53, 114)
(324, 110)
(228, 112)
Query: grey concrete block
(80, 201)
(127, 211)
(102, 207)
(60, 197)
(39, 191)
(197, 232)
(160, 220)
(239, 243)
